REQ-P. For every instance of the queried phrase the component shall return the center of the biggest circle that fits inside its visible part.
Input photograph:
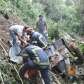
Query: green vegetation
(60, 14)
(81, 46)
(63, 17)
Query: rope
(2, 41)
(56, 80)
(17, 72)
(10, 64)
(3, 48)
(1, 77)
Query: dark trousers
(15, 44)
(31, 65)
(60, 67)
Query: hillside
(7, 70)
(62, 17)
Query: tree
(82, 17)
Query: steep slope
(8, 72)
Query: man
(36, 38)
(16, 34)
(38, 59)
(42, 26)
(17, 31)
(59, 64)
(76, 51)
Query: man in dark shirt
(37, 38)
(42, 26)
(38, 59)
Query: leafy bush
(52, 29)
(81, 46)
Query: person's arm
(21, 39)
(42, 41)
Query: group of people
(25, 40)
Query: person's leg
(61, 66)
(45, 76)
(12, 37)
(17, 48)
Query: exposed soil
(6, 23)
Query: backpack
(38, 40)
(39, 56)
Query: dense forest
(66, 15)
(63, 17)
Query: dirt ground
(6, 23)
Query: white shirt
(17, 28)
